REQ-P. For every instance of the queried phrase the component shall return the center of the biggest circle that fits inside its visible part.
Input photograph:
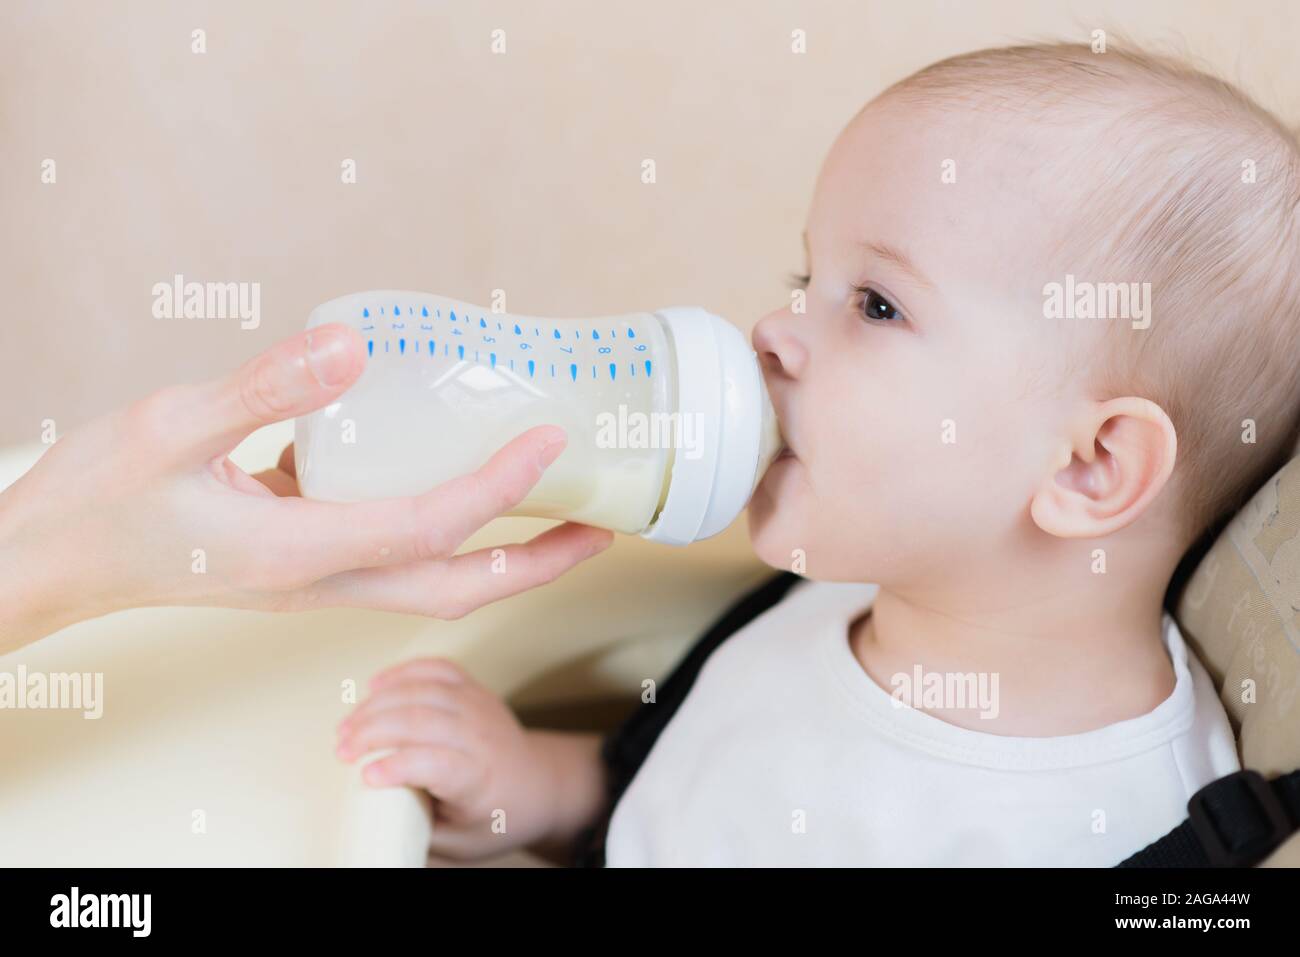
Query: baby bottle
(669, 423)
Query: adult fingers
(284, 486)
(489, 574)
(313, 540)
(283, 479)
(453, 588)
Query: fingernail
(329, 357)
(550, 451)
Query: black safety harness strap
(1236, 821)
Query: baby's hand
(492, 781)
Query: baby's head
(949, 403)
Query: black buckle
(1244, 843)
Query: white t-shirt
(786, 752)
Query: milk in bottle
(669, 425)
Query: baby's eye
(799, 281)
(875, 306)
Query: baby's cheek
(930, 456)
(918, 436)
(987, 457)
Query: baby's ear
(1118, 457)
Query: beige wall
(476, 171)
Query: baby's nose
(780, 353)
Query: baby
(1046, 343)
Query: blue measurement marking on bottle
(424, 312)
(611, 365)
(397, 310)
(453, 315)
(365, 313)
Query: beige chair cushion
(1240, 611)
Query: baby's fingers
(399, 727)
(431, 694)
(446, 773)
(419, 669)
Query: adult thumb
(292, 378)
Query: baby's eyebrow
(889, 254)
(896, 256)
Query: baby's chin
(774, 532)
(788, 530)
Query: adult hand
(144, 507)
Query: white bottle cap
(720, 387)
